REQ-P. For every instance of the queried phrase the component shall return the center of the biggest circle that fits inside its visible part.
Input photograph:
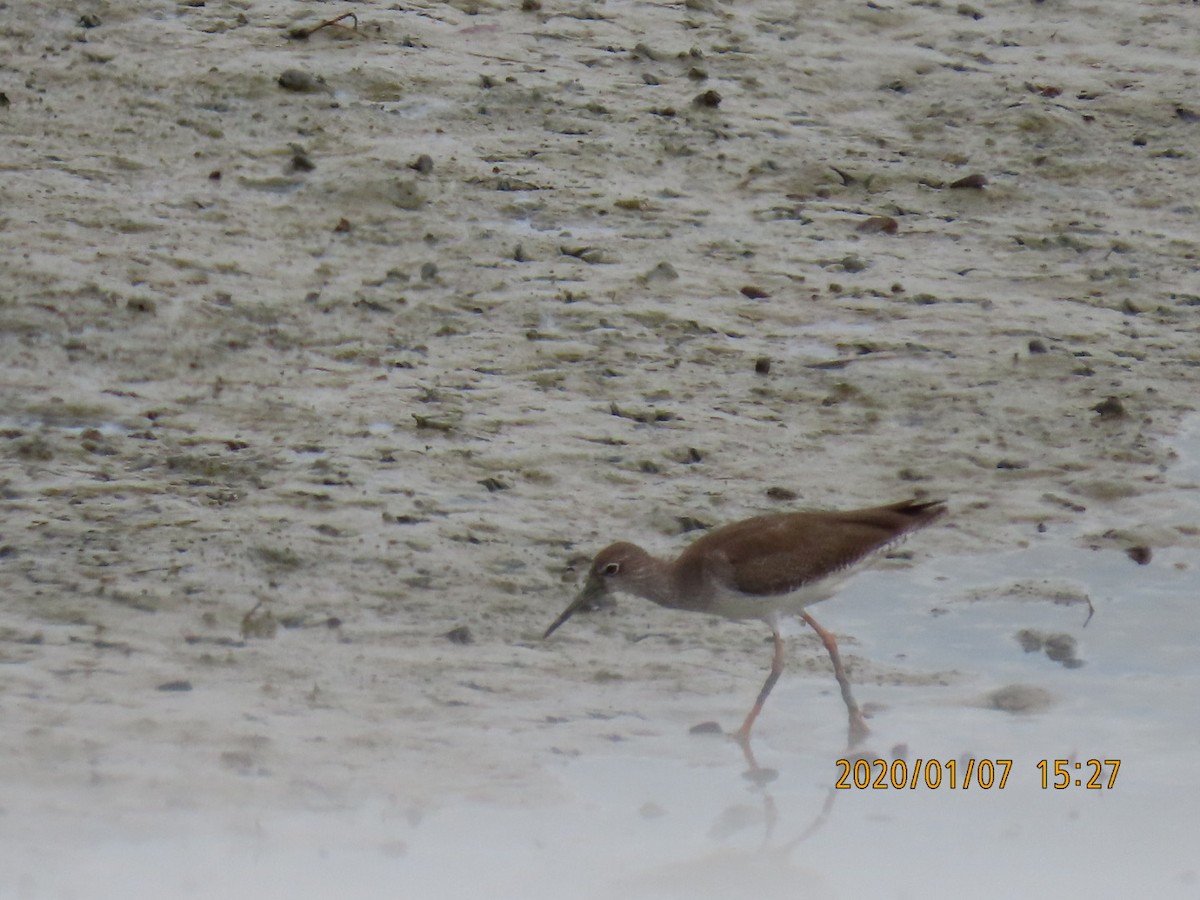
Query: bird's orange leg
(743, 733)
(858, 727)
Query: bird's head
(618, 567)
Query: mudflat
(330, 355)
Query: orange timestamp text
(964, 774)
(1070, 773)
(955, 774)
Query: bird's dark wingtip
(922, 512)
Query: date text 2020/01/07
(963, 774)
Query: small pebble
(301, 162)
(1016, 698)
(175, 686)
(301, 82)
(709, 100)
(641, 50)
(1030, 640)
(1140, 555)
(1013, 464)
(595, 256)
(459, 635)
(1060, 647)
(762, 365)
(971, 181)
(664, 271)
(877, 225)
(1112, 408)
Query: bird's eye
(611, 569)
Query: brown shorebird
(761, 568)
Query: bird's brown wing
(778, 554)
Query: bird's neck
(652, 579)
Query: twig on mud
(302, 34)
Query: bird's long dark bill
(590, 593)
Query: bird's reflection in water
(754, 842)
(769, 870)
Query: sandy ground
(295, 382)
